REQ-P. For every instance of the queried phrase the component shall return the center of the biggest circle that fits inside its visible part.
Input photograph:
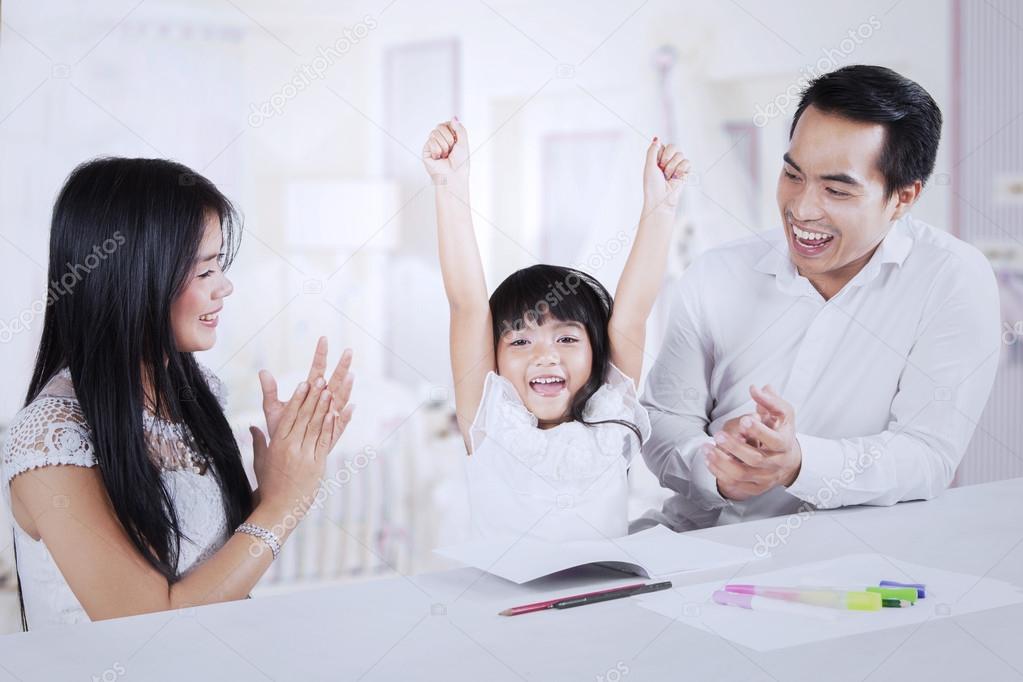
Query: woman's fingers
(334, 424)
(287, 423)
(305, 411)
(325, 441)
(318, 424)
(259, 445)
(340, 385)
(269, 386)
(341, 372)
(344, 391)
(341, 421)
(319, 366)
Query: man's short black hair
(874, 94)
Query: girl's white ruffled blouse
(569, 482)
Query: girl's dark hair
(123, 240)
(541, 292)
(875, 94)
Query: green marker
(903, 593)
(895, 603)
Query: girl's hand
(290, 469)
(340, 385)
(665, 171)
(446, 153)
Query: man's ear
(905, 198)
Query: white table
(443, 626)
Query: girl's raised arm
(446, 157)
(663, 175)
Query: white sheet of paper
(654, 552)
(948, 594)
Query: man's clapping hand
(756, 452)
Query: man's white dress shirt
(888, 378)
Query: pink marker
(850, 600)
(754, 603)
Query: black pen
(608, 596)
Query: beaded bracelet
(263, 534)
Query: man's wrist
(708, 493)
(791, 473)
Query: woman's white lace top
(51, 430)
(569, 482)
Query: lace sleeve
(217, 387)
(51, 430)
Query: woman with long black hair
(125, 481)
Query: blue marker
(921, 591)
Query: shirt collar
(896, 245)
(894, 248)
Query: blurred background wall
(310, 115)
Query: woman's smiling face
(195, 312)
(547, 363)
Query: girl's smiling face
(547, 364)
(195, 312)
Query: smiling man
(843, 359)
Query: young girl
(125, 481)
(545, 372)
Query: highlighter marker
(851, 600)
(754, 603)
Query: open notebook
(652, 553)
